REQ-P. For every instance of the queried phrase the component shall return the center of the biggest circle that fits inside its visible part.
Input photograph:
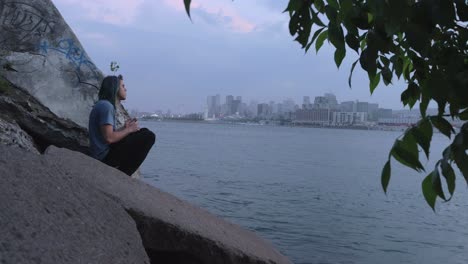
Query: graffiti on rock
(75, 55)
(21, 22)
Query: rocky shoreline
(57, 205)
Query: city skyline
(240, 47)
(222, 100)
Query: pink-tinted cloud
(116, 12)
(224, 12)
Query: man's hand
(132, 125)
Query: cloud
(97, 38)
(116, 12)
(223, 13)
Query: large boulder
(170, 228)
(47, 215)
(35, 126)
(41, 56)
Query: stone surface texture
(47, 215)
(166, 223)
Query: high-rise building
(313, 116)
(213, 108)
(331, 99)
(306, 103)
(362, 107)
(235, 106)
(218, 105)
(384, 113)
(321, 102)
(348, 106)
(348, 118)
(252, 109)
(263, 110)
(289, 105)
(372, 112)
(229, 102)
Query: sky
(241, 48)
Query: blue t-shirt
(103, 113)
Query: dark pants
(128, 154)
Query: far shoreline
(278, 124)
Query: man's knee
(150, 137)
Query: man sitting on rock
(126, 148)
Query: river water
(314, 193)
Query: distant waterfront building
(321, 102)
(289, 105)
(348, 118)
(331, 100)
(313, 116)
(306, 103)
(252, 109)
(347, 106)
(263, 110)
(229, 102)
(213, 106)
(372, 112)
(399, 121)
(384, 113)
(362, 107)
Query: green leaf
(407, 68)
(346, 6)
(398, 67)
(374, 82)
(334, 4)
(454, 109)
(423, 135)
(332, 14)
(321, 38)
(351, 73)
(300, 24)
(411, 95)
(428, 191)
(363, 43)
(339, 56)
(294, 5)
(442, 125)
(316, 34)
(385, 178)
(464, 115)
(403, 152)
(352, 42)
(418, 37)
(187, 7)
(335, 35)
(319, 5)
(384, 60)
(437, 184)
(444, 13)
(458, 150)
(425, 99)
(368, 62)
(387, 76)
(370, 18)
(447, 153)
(449, 175)
(462, 10)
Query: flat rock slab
(49, 215)
(167, 224)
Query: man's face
(122, 93)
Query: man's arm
(111, 136)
